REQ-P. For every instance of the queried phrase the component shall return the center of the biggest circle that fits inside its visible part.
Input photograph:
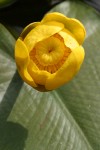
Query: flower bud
(48, 54)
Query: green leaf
(65, 119)
(5, 3)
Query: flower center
(50, 54)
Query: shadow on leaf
(12, 135)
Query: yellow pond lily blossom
(49, 53)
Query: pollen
(50, 54)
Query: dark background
(22, 12)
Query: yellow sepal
(22, 60)
(73, 25)
(67, 71)
(42, 32)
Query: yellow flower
(49, 53)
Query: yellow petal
(69, 40)
(42, 32)
(79, 55)
(67, 71)
(39, 76)
(73, 25)
(28, 28)
(22, 60)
